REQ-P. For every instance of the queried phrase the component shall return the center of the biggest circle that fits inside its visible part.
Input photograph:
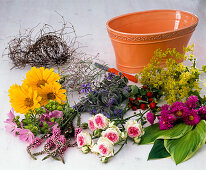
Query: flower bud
(85, 149)
(123, 135)
(84, 125)
(97, 133)
(137, 139)
(60, 108)
(54, 107)
(104, 159)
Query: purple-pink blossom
(13, 128)
(166, 120)
(192, 118)
(11, 116)
(26, 135)
(150, 118)
(179, 109)
(192, 102)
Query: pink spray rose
(133, 129)
(100, 121)
(104, 147)
(113, 134)
(84, 139)
(91, 124)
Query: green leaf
(143, 92)
(158, 150)
(135, 90)
(184, 148)
(153, 132)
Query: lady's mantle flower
(192, 102)
(104, 147)
(84, 139)
(113, 134)
(26, 135)
(100, 121)
(86, 88)
(134, 129)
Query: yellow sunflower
(38, 77)
(23, 98)
(53, 92)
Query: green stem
(121, 147)
(78, 119)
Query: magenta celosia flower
(11, 116)
(202, 112)
(166, 120)
(26, 135)
(13, 128)
(165, 107)
(192, 102)
(179, 109)
(150, 118)
(192, 118)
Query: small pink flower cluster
(109, 135)
(24, 134)
(56, 144)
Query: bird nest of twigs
(47, 47)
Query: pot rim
(152, 34)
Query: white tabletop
(88, 17)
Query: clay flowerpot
(136, 36)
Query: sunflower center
(41, 83)
(28, 102)
(51, 96)
(191, 117)
(179, 113)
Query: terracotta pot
(136, 36)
